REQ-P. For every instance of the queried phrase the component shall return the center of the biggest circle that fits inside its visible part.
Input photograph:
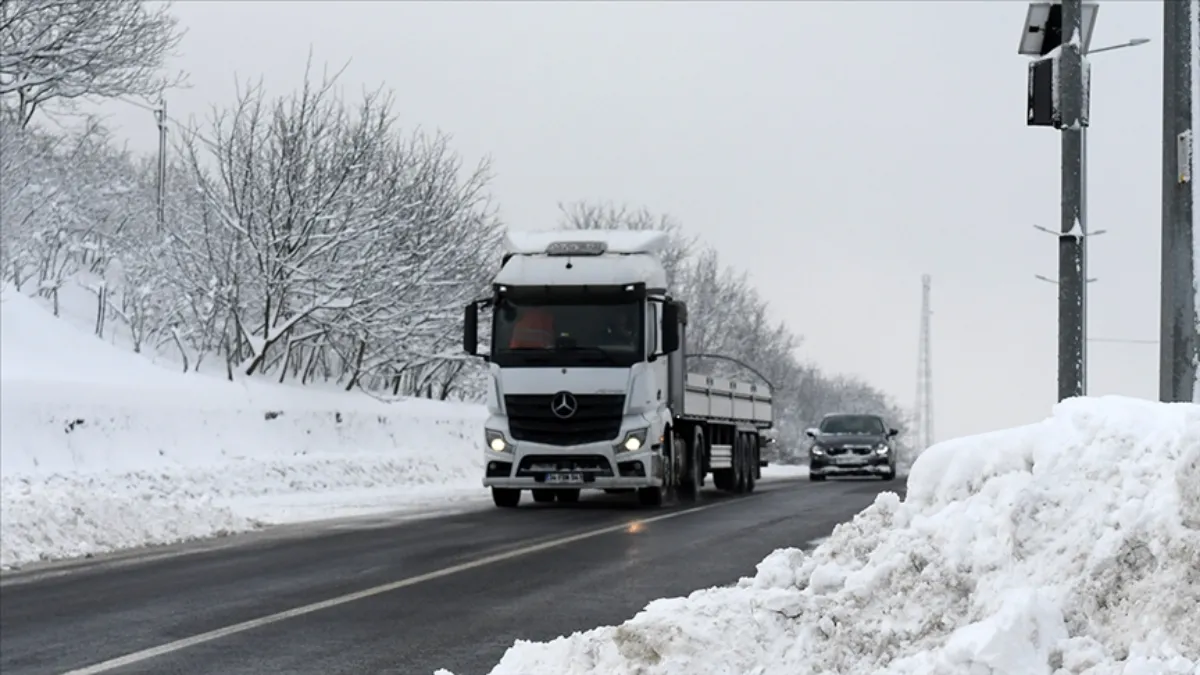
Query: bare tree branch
(67, 49)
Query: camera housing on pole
(1042, 39)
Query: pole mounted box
(1042, 38)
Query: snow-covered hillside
(100, 449)
(1068, 547)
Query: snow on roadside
(784, 471)
(102, 450)
(1068, 547)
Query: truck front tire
(506, 498)
(650, 496)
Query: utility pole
(925, 371)
(1058, 34)
(160, 116)
(1071, 279)
(1177, 329)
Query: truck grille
(597, 418)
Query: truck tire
(740, 465)
(723, 479)
(650, 496)
(567, 496)
(815, 477)
(542, 496)
(889, 476)
(506, 498)
(692, 478)
(751, 462)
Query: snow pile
(1067, 547)
(102, 450)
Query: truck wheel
(542, 496)
(751, 463)
(567, 496)
(650, 496)
(739, 465)
(890, 475)
(815, 477)
(690, 482)
(506, 498)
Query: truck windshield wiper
(532, 354)
(601, 352)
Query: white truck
(588, 387)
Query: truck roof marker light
(576, 248)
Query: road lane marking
(177, 645)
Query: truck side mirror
(892, 433)
(811, 432)
(670, 327)
(471, 329)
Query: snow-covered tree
(68, 49)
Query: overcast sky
(835, 150)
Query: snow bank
(102, 450)
(1066, 547)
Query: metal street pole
(1177, 328)
(1071, 273)
(160, 116)
(1085, 225)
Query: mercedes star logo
(563, 405)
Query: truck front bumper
(592, 466)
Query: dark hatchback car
(847, 444)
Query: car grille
(598, 418)
(857, 449)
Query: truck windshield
(564, 333)
(852, 424)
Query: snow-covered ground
(101, 450)
(1067, 547)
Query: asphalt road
(451, 592)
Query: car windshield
(567, 333)
(852, 424)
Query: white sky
(836, 150)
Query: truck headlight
(633, 441)
(882, 449)
(817, 450)
(496, 441)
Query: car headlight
(882, 449)
(634, 440)
(496, 441)
(817, 450)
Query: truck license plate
(564, 478)
(851, 460)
